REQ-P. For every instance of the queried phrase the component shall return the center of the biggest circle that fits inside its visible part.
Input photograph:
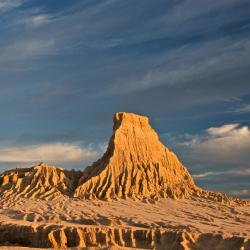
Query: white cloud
(227, 145)
(56, 152)
(223, 130)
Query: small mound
(42, 181)
(136, 165)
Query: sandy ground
(199, 216)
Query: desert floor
(194, 217)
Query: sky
(67, 66)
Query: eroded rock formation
(42, 181)
(135, 165)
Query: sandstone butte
(136, 169)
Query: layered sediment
(120, 238)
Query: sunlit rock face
(135, 165)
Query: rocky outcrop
(42, 181)
(136, 165)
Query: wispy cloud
(189, 64)
(244, 109)
(35, 20)
(237, 172)
(6, 5)
(104, 44)
(54, 152)
(243, 193)
(26, 49)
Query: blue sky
(67, 66)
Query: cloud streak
(192, 63)
(243, 193)
(34, 21)
(211, 174)
(7, 5)
(244, 109)
(23, 49)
